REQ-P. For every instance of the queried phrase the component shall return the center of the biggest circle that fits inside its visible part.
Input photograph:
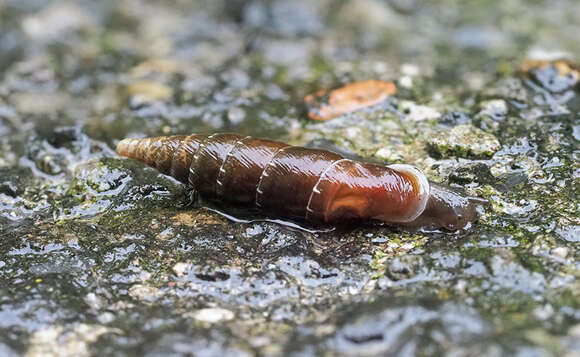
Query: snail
(311, 185)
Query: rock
(159, 65)
(496, 109)
(180, 268)
(6, 351)
(60, 341)
(479, 37)
(146, 91)
(377, 16)
(508, 88)
(570, 233)
(389, 154)
(404, 267)
(416, 112)
(288, 53)
(40, 103)
(213, 315)
(464, 141)
(295, 18)
(472, 172)
(145, 293)
(236, 115)
(555, 76)
(560, 252)
(56, 21)
(455, 118)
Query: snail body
(313, 185)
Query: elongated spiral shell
(295, 182)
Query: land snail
(302, 184)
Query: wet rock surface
(463, 141)
(100, 255)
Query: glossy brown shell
(318, 186)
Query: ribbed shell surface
(291, 181)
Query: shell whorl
(168, 154)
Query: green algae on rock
(463, 141)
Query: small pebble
(213, 315)
(145, 293)
(415, 112)
(106, 317)
(180, 268)
(496, 109)
(236, 115)
(561, 252)
(145, 91)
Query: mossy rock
(463, 141)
